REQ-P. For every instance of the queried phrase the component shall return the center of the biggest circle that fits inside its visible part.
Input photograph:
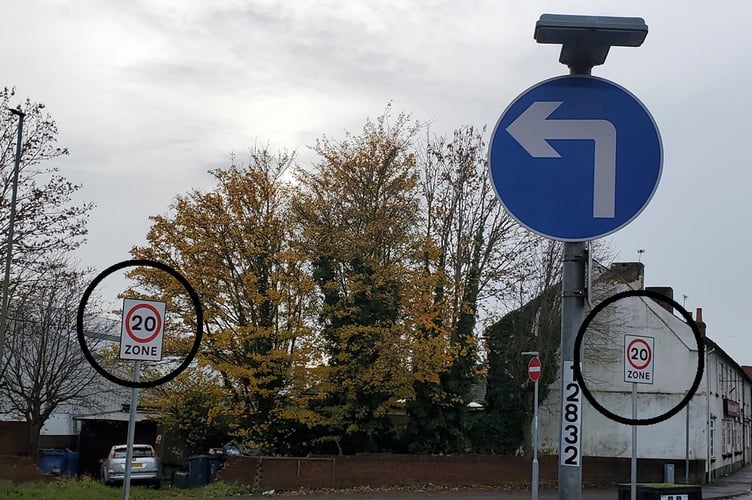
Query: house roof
(115, 416)
(745, 370)
(630, 275)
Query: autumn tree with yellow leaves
(358, 211)
(191, 407)
(344, 298)
(233, 244)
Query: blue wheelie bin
(52, 461)
(71, 463)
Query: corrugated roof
(115, 416)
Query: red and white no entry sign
(638, 359)
(534, 369)
(141, 330)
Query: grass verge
(86, 489)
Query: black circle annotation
(196, 305)
(700, 357)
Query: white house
(729, 409)
(710, 434)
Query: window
(729, 447)
(143, 451)
(712, 437)
(716, 374)
(738, 441)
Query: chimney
(700, 323)
(629, 273)
(667, 292)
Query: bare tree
(472, 248)
(45, 366)
(534, 324)
(46, 220)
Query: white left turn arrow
(532, 129)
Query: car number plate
(136, 465)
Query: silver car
(144, 465)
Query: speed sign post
(141, 338)
(639, 361)
(142, 329)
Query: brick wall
(59, 442)
(280, 473)
(377, 470)
(14, 438)
(285, 473)
(20, 470)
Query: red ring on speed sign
(647, 348)
(135, 337)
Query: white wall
(606, 438)
(675, 368)
(59, 424)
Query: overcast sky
(148, 96)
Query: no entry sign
(638, 359)
(141, 330)
(534, 369)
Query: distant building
(712, 433)
(729, 410)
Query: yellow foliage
(233, 244)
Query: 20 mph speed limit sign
(638, 359)
(141, 330)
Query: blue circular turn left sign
(575, 158)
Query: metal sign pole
(633, 478)
(131, 432)
(572, 315)
(518, 144)
(534, 372)
(534, 485)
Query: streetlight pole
(585, 42)
(9, 241)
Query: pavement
(734, 485)
(737, 485)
